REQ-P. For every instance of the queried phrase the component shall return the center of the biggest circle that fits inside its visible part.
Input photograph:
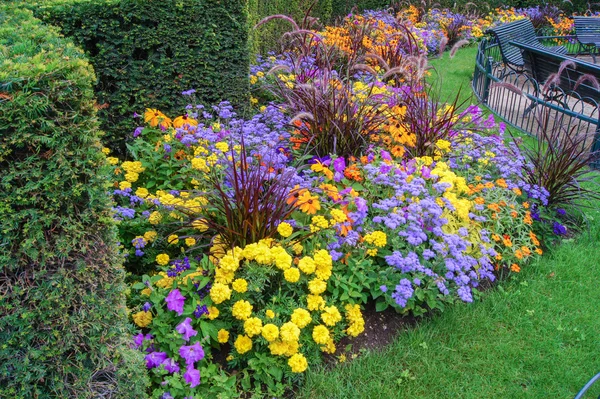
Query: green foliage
(63, 313)
(145, 53)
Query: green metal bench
(587, 32)
(520, 31)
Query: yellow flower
(291, 275)
(240, 285)
(155, 217)
(331, 315)
(222, 146)
(270, 314)
(146, 291)
(278, 348)
(162, 259)
(301, 317)
(213, 313)
(282, 259)
(298, 363)
(317, 286)
(242, 344)
(112, 160)
(270, 332)
(173, 239)
(141, 192)
(297, 248)
(377, 238)
(338, 215)
(285, 229)
(223, 336)
(320, 335)
(220, 292)
(190, 241)
(131, 177)
(142, 319)
(105, 150)
(307, 265)
(241, 310)
(124, 185)
(318, 222)
(253, 326)
(150, 235)
(315, 302)
(289, 332)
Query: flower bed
(259, 240)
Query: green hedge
(146, 52)
(63, 325)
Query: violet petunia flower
(192, 353)
(175, 301)
(192, 376)
(171, 365)
(185, 329)
(155, 359)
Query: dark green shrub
(63, 327)
(146, 52)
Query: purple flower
(167, 395)
(138, 131)
(192, 353)
(192, 376)
(383, 288)
(188, 92)
(561, 212)
(138, 340)
(147, 306)
(186, 329)
(167, 147)
(155, 359)
(175, 301)
(559, 229)
(171, 365)
(339, 165)
(200, 310)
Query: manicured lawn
(536, 336)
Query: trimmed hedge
(63, 323)
(146, 52)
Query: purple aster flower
(167, 147)
(192, 353)
(200, 310)
(188, 92)
(383, 288)
(171, 365)
(185, 329)
(139, 252)
(155, 359)
(147, 306)
(175, 301)
(167, 395)
(335, 255)
(192, 376)
(561, 212)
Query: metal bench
(521, 31)
(587, 32)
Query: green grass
(535, 336)
(455, 75)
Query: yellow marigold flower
(289, 332)
(443, 145)
(292, 275)
(372, 252)
(270, 332)
(355, 329)
(229, 358)
(142, 192)
(253, 326)
(190, 241)
(112, 160)
(240, 285)
(220, 292)
(377, 238)
(131, 177)
(297, 248)
(329, 347)
(342, 358)
(150, 235)
(338, 215)
(318, 222)
(285, 229)
(278, 348)
(331, 315)
(142, 319)
(173, 239)
(146, 291)
(301, 317)
(213, 313)
(105, 150)
(124, 185)
(282, 259)
(222, 146)
(291, 348)
(155, 217)
(323, 259)
(162, 259)
(241, 310)
(315, 302)
(317, 286)
(270, 314)
(307, 265)
(320, 335)
(298, 363)
(223, 336)
(242, 344)
(165, 281)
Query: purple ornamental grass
(186, 330)
(175, 301)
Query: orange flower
(502, 203)
(295, 195)
(480, 200)
(506, 240)
(308, 204)
(534, 238)
(494, 207)
(489, 185)
(526, 205)
(184, 120)
(539, 251)
(514, 214)
(526, 251)
(319, 167)
(516, 190)
(527, 219)
(496, 237)
(519, 254)
(501, 183)
(398, 151)
(515, 268)
(353, 173)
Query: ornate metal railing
(517, 98)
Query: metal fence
(516, 97)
